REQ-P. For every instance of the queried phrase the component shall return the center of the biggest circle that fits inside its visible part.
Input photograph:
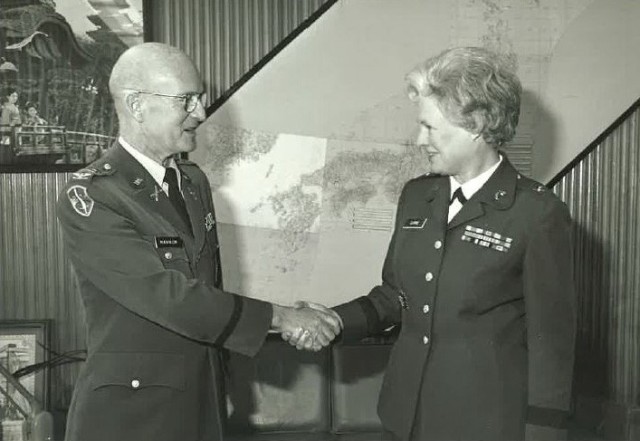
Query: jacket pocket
(137, 371)
(172, 257)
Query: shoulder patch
(80, 200)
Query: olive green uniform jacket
(155, 309)
(486, 304)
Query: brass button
(425, 309)
(107, 166)
(428, 277)
(425, 340)
(168, 255)
(438, 244)
(135, 383)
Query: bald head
(149, 66)
(149, 84)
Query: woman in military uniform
(478, 272)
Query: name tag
(414, 224)
(168, 241)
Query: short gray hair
(476, 89)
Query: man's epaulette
(95, 169)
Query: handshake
(307, 325)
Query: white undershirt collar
(156, 170)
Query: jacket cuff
(358, 316)
(248, 326)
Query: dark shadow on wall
(544, 133)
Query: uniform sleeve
(380, 309)
(551, 324)
(108, 252)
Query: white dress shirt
(469, 188)
(157, 171)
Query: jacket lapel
(145, 190)
(498, 192)
(438, 201)
(195, 210)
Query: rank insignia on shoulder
(81, 175)
(80, 200)
(487, 239)
(167, 241)
(414, 224)
(86, 174)
(209, 222)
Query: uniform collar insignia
(156, 193)
(499, 190)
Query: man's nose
(422, 138)
(199, 112)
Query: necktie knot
(459, 196)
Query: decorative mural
(56, 57)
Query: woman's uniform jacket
(487, 308)
(156, 313)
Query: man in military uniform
(479, 273)
(140, 229)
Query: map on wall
(295, 212)
(310, 215)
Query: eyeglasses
(190, 99)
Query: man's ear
(134, 106)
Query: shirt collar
(470, 187)
(156, 170)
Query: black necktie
(171, 178)
(459, 196)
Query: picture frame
(56, 112)
(23, 343)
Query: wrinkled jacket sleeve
(108, 252)
(380, 309)
(551, 323)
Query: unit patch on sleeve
(80, 200)
(487, 239)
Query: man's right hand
(311, 329)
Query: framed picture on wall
(23, 343)
(55, 60)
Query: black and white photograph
(320, 220)
(23, 345)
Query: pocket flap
(136, 370)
